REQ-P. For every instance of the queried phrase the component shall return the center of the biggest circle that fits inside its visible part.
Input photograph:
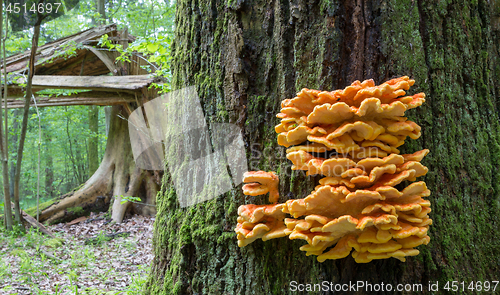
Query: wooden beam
(85, 98)
(129, 84)
(19, 62)
(104, 57)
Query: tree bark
(245, 57)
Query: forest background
(73, 138)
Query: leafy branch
(156, 51)
(132, 199)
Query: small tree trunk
(13, 141)
(93, 115)
(49, 164)
(93, 151)
(101, 10)
(24, 126)
(4, 142)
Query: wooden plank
(104, 58)
(63, 66)
(70, 103)
(85, 98)
(102, 83)
(81, 95)
(18, 62)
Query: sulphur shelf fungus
(369, 203)
(261, 183)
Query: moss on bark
(246, 57)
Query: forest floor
(89, 261)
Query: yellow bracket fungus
(351, 137)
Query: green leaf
(152, 47)
(126, 199)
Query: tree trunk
(116, 176)
(93, 154)
(74, 152)
(49, 163)
(93, 114)
(4, 143)
(24, 126)
(246, 57)
(101, 10)
(13, 141)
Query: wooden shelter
(83, 64)
(76, 62)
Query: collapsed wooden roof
(81, 68)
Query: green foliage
(65, 134)
(125, 199)
(58, 92)
(71, 22)
(99, 240)
(156, 50)
(54, 243)
(18, 252)
(132, 199)
(32, 211)
(75, 210)
(143, 18)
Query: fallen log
(32, 221)
(37, 224)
